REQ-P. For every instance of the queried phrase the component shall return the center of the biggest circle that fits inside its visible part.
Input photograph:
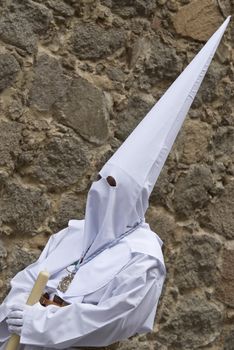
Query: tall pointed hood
(136, 165)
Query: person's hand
(15, 318)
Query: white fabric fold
(126, 304)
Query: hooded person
(107, 271)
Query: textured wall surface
(75, 78)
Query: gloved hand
(15, 318)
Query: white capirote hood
(136, 165)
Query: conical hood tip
(144, 152)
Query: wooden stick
(33, 298)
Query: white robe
(108, 303)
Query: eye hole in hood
(111, 181)
(98, 177)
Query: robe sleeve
(23, 281)
(128, 302)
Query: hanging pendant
(65, 282)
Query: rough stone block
(193, 324)
(162, 62)
(219, 215)
(22, 208)
(94, 42)
(84, 109)
(9, 67)
(225, 286)
(60, 7)
(20, 258)
(197, 20)
(71, 206)
(130, 115)
(223, 142)
(192, 144)
(196, 264)
(229, 341)
(163, 224)
(129, 8)
(22, 22)
(11, 137)
(60, 164)
(3, 255)
(210, 90)
(49, 83)
(192, 190)
(161, 194)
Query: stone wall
(75, 79)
